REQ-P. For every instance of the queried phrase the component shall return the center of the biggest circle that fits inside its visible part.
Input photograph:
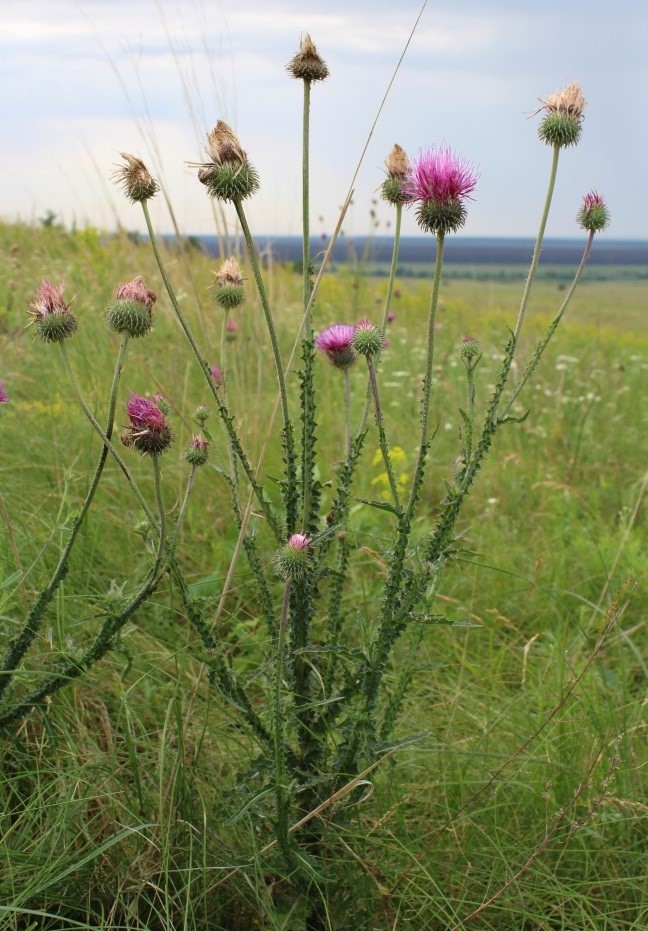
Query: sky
(83, 80)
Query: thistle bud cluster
(131, 311)
(563, 122)
(291, 561)
(228, 288)
(228, 175)
(394, 189)
(53, 319)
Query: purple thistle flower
(299, 541)
(53, 318)
(336, 343)
(148, 431)
(440, 181)
(217, 375)
(593, 214)
(391, 316)
(136, 291)
(3, 394)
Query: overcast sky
(82, 81)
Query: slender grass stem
(173, 540)
(393, 268)
(382, 436)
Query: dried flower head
(593, 214)
(228, 175)
(440, 182)
(394, 189)
(197, 451)
(562, 124)
(148, 430)
(307, 64)
(131, 311)
(3, 394)
(291, 561)
(228, 287)
(135, 178)
(368, 341)
(53, 319)
(336, 342)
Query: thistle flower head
(368, 341)
(135, 178)
(394, 189)
(593, 214)
(217, 375)
(228, 287)
(440, 182)
(197, 451)
(231, 330)
(291, 561)
(131, 311)
(228, 175)
(562, 124)
(201, 415)
(336, 342)
(470, 350)
(307, 64)
(3, 394)
(53, 319)
(148, 430)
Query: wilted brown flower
(223, 146)
(397, 163)
(138, 183)
(307, 65)
(569, 101)
(230, 272)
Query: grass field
(123, 800)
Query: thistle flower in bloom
(228, 287)
(197, 451)
(3, 394)
(307, 64)
(440, 182)
(394, 189)
(368, 341)
(291, 561)
(136, 180)
(593, 214)
(217, 375)
(131, 311)
(228, 175)
(336, 342)
(53, 319)
(562, 124)
(148, 430)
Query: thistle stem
(347, 411)
(306, 261)
(470, 411)
(278, 726)
(393, 268)
(382, 436)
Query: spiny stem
(308, 328)
(278, 726)
(470, 412)
(347, 411)
(382, 436)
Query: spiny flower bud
(593, 214)
(562, 125)
(291, 561)
(336, 342)
(196, 452)
(201, 414)
(228, 287)
(135, 178)
(130, 312)
(393, 189)
(53, 319)
(368, 341)
(148, 430)
(307, 65)
(470, 350)
(228, 175)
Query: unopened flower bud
(368, 341)
(308, 64)
(135, 178)
(130, 312)
(53, 319)
(228, 175)
(562, 124)
(201, 414)
(470, 350)
(228, 287)
(593, 214)
(291, 561)
(393, 190)
(197, 451)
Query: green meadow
(126, 800)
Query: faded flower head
(593, 214)
(368, 340)
(291, 561)
(131, 311)
(228, 175)
(148, 430)
(197, 451)
(336, 342)
(3, 394)
(562, 124)
(440, 182)
(136, 180)
(394, 189)
(228, 287)
(53, 319)
(307, 64)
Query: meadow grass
(122, 801)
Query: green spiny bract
(129, 317)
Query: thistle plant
(320, 713)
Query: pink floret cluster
(49, 300)
(144, 415)
(439, 175)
